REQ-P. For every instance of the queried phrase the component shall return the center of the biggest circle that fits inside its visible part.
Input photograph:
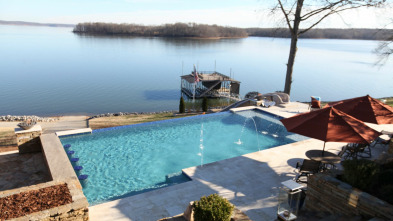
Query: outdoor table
(327, 158)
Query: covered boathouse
(210, 84)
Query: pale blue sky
(238, 13)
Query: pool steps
(75, 164)
(74, 132)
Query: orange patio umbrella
(330, 125)
(366, 109)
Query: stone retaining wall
(328, 194)
(28, 140)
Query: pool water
(127, 160)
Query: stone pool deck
(22, 170)
(250, 181)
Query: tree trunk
(293, 49)
(291, 62)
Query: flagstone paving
(18, 170)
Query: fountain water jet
(201, 145)
(239, 142)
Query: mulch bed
(33, 201)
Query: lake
(51, 71)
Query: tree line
(166, 30)
(330, 33)
(215, 31)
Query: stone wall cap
(33, 129)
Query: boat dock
(209, 84)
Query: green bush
(182, 106)
(388, 165)
(360, 173)
(386, 193)
(385, 177)
(212, 208)
(205, 105)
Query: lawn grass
(114, 121)
(389, 101)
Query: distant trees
(167, 30)
(215, 31)
(328, 33)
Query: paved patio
(250, 181)
(19, 170)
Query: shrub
(182, 106)
(386, 193)
(212, 208)
(388, 165)
(385, 177)
(360, 173)
(204, 104)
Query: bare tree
(312, 13)
(385, 48)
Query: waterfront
(51, 71)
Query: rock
(25, 118)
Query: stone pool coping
(56, 159)
(60, 168)
(74, 132)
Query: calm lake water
(51, 71)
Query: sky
(235, 13)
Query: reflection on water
(47, 71)
(162, 94)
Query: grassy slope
(104, 122)
(389, 101)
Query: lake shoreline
(389, 101)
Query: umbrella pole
(323, 151)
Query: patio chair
(354, 151)
(382, 141)
(307, 168)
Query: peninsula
(193, 30)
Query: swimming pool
(127, 160)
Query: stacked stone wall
(328, 194)
(29, 142)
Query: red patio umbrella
(366, 109)
(330, 124)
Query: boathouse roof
(208, 76)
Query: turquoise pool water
(127, 160)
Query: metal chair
(354, 151)
(307, 168)
(382, 141)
